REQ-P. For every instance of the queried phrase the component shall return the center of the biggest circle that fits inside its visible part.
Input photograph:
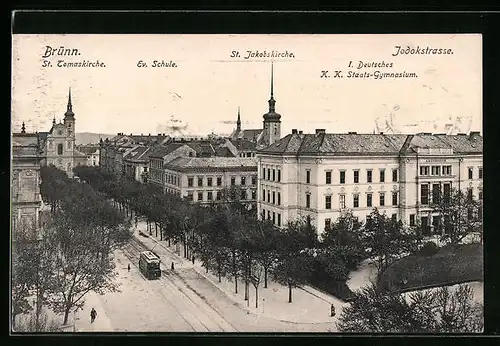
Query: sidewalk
(309, 306)
(363, 276)
(101, 324)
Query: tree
(373, 310)
(460, 215)
(294, 263)
(268, 237)
(387, 239)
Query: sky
(206, 88)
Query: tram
(149, 264)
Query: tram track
(210, 320)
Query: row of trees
(70, 256)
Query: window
(200, 181)
(356, 176)
(382, 175)
(328, 177)
(480, 195)
(269, 174)
(59, 149)
(209, 195)
(355, 201)
(233, 181)
(264, 195)
(394, 175)
(274, 217)
(342, 177)
(279, 219)
(382, 199)
(424, 194)
(424, 170)
(435, 170)
(279, 176)
(254, 194)
(328, 202)
(469, 194)
(328, 223)
(369, 200)
(446, 170)
(394, 198)
(308, 201)
(308, 177)
(190, 196)
(268, 214)
(263, 173)
(254, 180)
(369, 176)
(200, 196)
(424, 220)
(263, 214)
(436, 193)
(190, 181)
(412, 220)
(217, 195)
(219, 181)
(274, 197)
(243, 181)
(471, 175)
(209, 181)
(480, 172)
(394, 217)
(274, 174)
(447, 192)
(243, 194)
(342, 201)
(279, 198)
(268, 196)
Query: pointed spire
(23, 128)
(271, 101)
(238, 122)
(69, 107)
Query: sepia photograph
(263, 183)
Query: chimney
(474, 133)
(352, 133)
(300, 132)
(318, 131)
(294, 131)
(381, 133)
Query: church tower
(272, 122)
(69, 117)
(238, 122)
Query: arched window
(59, 149)
(69, 166)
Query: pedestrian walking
(128, 267)
(136, 222)
(172, 266)
(332, 310)
(192, 259)
(93, 315)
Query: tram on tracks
(149, 264)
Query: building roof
(25, 145)
(163, 150)
(213, 163)
(370, 144)
(223, 152)
(243, 144)
(202, 148)
(138, 154)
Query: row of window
(210, 196)
(218, 181)
(272, 196)
(173, 179)
(436, 170)
(248, 154)
(273, 216)
(355, 200)
(434, 196)
(273, 174)
(471, 172)
(355, 176)
(158, 164)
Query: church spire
(238, 122)
(272, 102)
(69, 107)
